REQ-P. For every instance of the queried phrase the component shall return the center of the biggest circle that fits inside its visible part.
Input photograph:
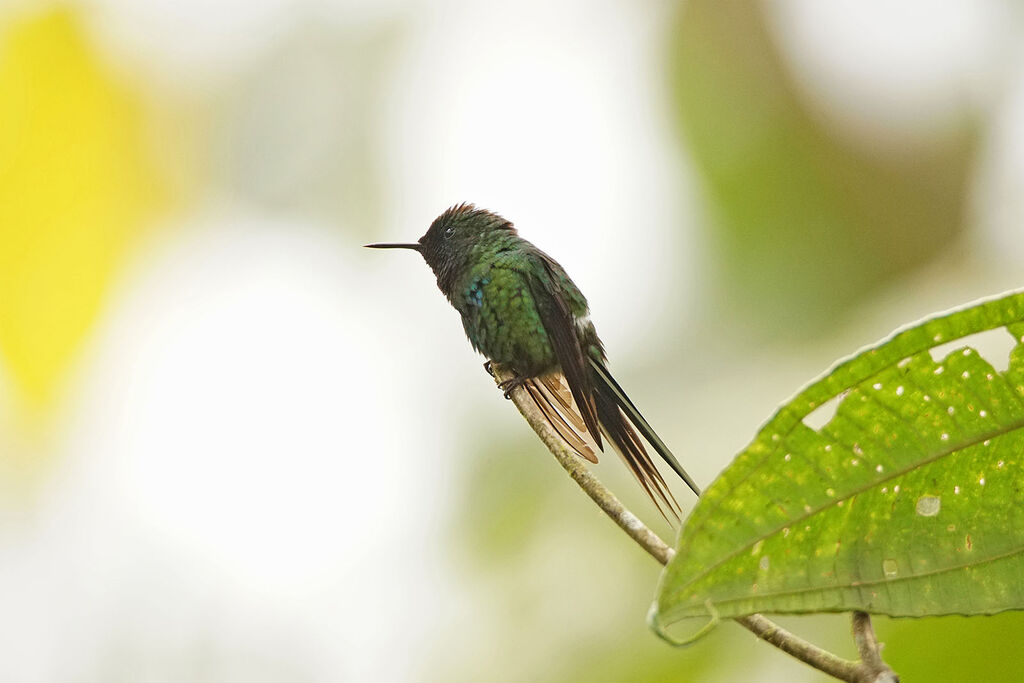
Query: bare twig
(871, 650)
(871, 668)
(808, 653)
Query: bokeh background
(235, 446)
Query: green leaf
(907, 502)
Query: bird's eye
(449, 231)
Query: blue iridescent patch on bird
(476, 291)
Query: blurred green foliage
(955, 648)
(803, 223)
(521, 520)
(506, 516)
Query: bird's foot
(510, 384)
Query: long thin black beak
(415, 246)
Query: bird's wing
(561, 328)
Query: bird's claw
(509, 385)
(506, 386)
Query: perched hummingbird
(521, 310)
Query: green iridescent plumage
(521, 310)
(498, 298)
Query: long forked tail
(618, 417)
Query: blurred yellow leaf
(75, 190)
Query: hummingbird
(521, 310)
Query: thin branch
(871, 668)
(871, 650)
(808, 653)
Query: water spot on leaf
(981, 480)
(951, 410)
(956, 490)
(928, 506)
(877, 386)
(857, 449)
(939, 370)
(831, 493)
(890, 568)
(944, 436)
(879, 468)
(983, 413)
(764, 563)
(899, 390)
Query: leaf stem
(870, 668)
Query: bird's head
(448, 244)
